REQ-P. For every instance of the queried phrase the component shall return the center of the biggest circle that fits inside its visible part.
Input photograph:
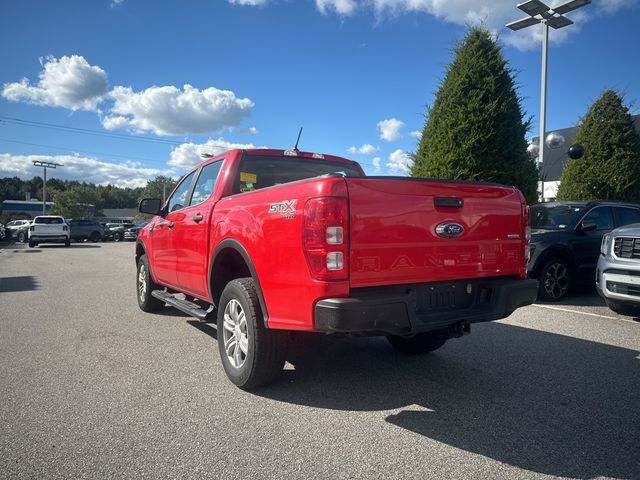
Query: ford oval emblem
(449, 230)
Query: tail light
(65, 228)
(325, 237)
(31, 228)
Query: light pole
(46, 165)
(549, 17)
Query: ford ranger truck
(268, 242)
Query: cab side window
(601, 216)
(179, 198)
(206, 182)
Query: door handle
(170, 224)
(197, 218)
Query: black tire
(117, 237)
(95, 237)
(554, 280)
(628, 310)
(67, 242)
(240, 318)
(420, 343)
(22, 237)
(32, 244)
(144, 286)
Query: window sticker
(248, 177)
(247, 189)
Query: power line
(85, 131)
(82, 151)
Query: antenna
(295, 147)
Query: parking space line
(585, 313)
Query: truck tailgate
(393, 237)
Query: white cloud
(116, 3)
(390, 129)
(68, 82)
(170, 111)
(366, 149)
(341, 7)
(247, 2)
(376, 164)
(85, 169)
(187, 155)
(400, 161)
(415, 133)
(493, 14)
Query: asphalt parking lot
(91, 387)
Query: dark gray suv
(85, 230)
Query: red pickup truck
(266, 242)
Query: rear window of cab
(262, 171)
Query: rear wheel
(32, 244)
(420, 343)
(67, 242)
(554, 280)
(251, 354)
(117, 237)
(94, 237)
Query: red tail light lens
(526, 227)
(325, 237)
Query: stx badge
(286, 208)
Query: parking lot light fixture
(554, 17)
(45, 165)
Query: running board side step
(185, 306)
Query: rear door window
(206, 181)
(627, 215)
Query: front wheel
(554, 280)
(22, 237)
(117, 237)
(420, 343)
(95, 237)
(251, 354)
(144, 286)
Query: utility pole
(45, 165)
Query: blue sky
(153, 84)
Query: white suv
(49, 229)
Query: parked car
(115, 231)
(565, 241)
(48, 229)
(85, 230)
(18, 229)
(3, 232)
(132, 233)
(618, 272)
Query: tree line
(74, 199)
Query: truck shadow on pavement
(538, 401)
(18, 284)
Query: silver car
(618, 271)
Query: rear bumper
(415, 308)
(48, 238)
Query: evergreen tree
(610, 168)
(475, 128)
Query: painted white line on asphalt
(585, 313)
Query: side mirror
(587, 227)
(152, 206)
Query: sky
(120, 91)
